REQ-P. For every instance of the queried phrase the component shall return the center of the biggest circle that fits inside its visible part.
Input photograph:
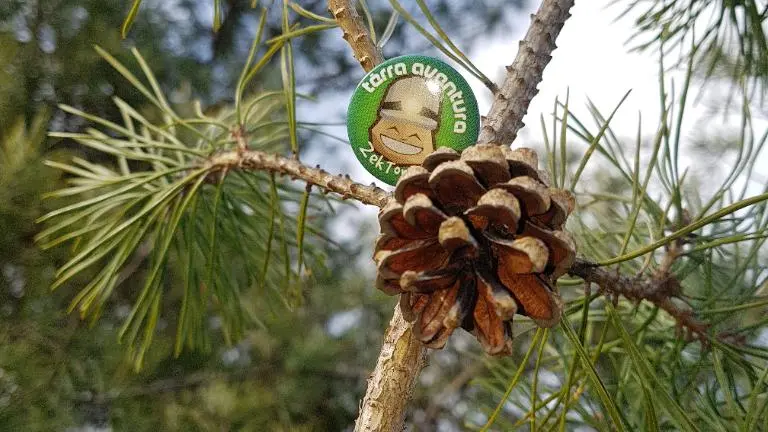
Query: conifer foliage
(661, 321)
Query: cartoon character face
(402, 143)
(404, 131)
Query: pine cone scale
(422, 214)
(498, 208)
(392, 222)
(455, 186)
(428, 281)
(418, 256)
(535, 300)
(533, 196)
(522, 255)
(488, 328)
(436, 309)
(413, 181)
(454, 235)
(488, 163)
(442, 154)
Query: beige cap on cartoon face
(408, 117)
(413, 100)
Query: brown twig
(657, 289)
(510, 103)
(342, 185)
(355, 33)
(402, 356)
(391, 384)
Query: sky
(591, 60)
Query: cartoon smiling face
(404, 131)
(402, 143)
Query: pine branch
(391, 384)
(258, 160)
(510, 103)
(659, 289)
(355, 33)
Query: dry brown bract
(470, 240)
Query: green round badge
(404, 109)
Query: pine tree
(661, 325)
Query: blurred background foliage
(301, 363)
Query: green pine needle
(157, 206)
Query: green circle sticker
(404, 109)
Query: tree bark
(355, 33)
(281, 165)
(391, 384)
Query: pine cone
(471, 240)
